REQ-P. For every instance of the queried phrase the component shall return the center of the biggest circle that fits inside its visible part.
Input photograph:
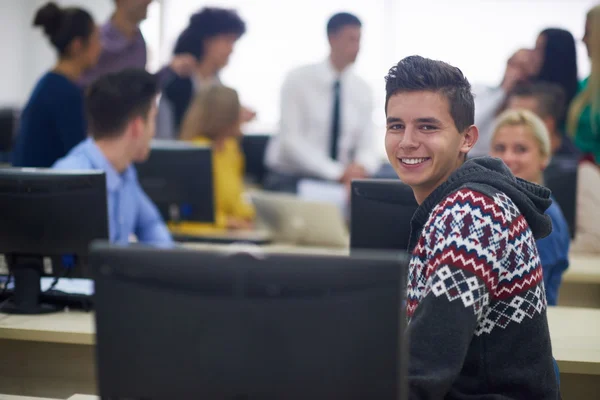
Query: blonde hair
(530, 120)
(590, 95)
(213, 111)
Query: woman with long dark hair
(554, 60)
(556, 47)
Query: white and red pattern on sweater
(478, 250)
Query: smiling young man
(476, 305)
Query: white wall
(477, 36)
(12, 42)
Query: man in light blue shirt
(121, 109)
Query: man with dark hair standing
(121, 109)
(326, 117)
(123, 45)
(547, 101)
(476, 304)
(210, 38)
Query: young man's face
(136, 10)
(532, 104)
(146, 134)
(422, 142)
(346, 43)
(218, 48)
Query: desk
(581, 282)
(74, 397)
(270, 248)
(575, 334)
(48, 355)
(53, 355)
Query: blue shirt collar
(114, 179)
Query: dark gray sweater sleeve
(439, 335)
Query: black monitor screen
(380, 214)
(178, 179)
(51, 215)
(181, 324)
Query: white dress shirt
(302, 146)
(488, 101)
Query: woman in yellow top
(214, 118)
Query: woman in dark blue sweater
(53, 121)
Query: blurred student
(214, 119)
(210, 38)
(547, 101)
(584, 113)
(121, 109)
(553, 60)
(326, 129)
(521, 140)
(53, 120)
(557, 54)
(123, 45)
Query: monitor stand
(26, 272)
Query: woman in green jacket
(584, 112)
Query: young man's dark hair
(340, 20)
(415, 73)
(207, 23)
(550, 98)
(114, 99)
(475, 281)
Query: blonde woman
(214, 118)
(584, 113)
(521, 140)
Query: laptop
(301, 222)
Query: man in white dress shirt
(326, 129)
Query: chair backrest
(254, 147)
(8, 128)
(561, 178)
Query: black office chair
(561, 178)
(254, 148)
(8, 128)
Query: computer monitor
(179, 324)
(48, 219)
(177, 176)
(380, 214)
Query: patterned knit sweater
(476, 303)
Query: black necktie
(335, 121)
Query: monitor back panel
(192, 325)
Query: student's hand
(519, 68)
(183, 65)
(247, 114)
(353, 171)
(239, 223)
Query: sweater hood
(531, 199)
